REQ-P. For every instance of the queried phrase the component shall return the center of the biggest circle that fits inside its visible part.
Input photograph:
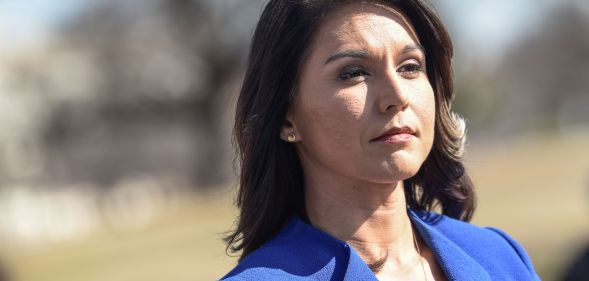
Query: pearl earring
(291, 137)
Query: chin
(400, 168)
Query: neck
(372, 218)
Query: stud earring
(291, 137)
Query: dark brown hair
(271, 177)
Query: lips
(396, 134)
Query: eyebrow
(413, 47)
(360, 54)
(363, 54)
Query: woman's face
(364, 78)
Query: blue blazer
(464, 251)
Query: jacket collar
(457, 265)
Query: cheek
(425, 110)
(330, 120)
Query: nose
(393, 96)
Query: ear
(288, 127)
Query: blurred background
(115, 155)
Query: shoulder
(298, 252)
(464, 233)
(471, 237)
(492, 248)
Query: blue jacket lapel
(457, 265)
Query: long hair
(270, 173)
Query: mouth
(396, 135)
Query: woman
(347, 141)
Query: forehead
(365, 24)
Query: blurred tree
(542, 82)
(164, 74)
(475, 99)
(536, 83)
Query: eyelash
(351, 73)
(412, 69)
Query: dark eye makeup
(351, 73)
(409, 71)
(412, 67)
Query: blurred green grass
(535, 187)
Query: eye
(351, 73)
(411, 70)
